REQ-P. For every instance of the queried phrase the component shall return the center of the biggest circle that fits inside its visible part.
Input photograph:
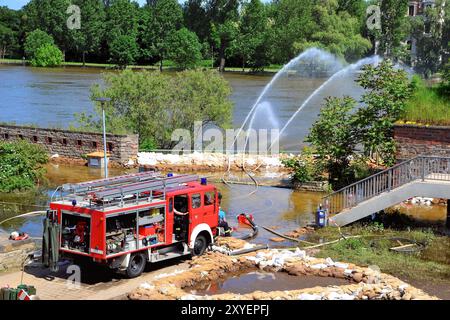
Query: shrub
(21, 165)
(35, 40)
(47, 56)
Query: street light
(102, 102)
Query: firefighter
(223, 220)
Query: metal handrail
(418, 168)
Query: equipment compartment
(76, 232)
(135, 230)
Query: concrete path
(97, 283)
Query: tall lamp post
(102, 102)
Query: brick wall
(413, 140)
(72, 144)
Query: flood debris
(364, 283)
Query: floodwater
(282, 208)
(50, 98)
(265, 282)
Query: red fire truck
(128, 221)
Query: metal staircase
(425, 176)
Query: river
(49, 97)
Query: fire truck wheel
(200, 245)
(136, 265)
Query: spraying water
(313, 53)
(351, 68)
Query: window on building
(20, 136)
(79, 143)
(94, 144)
(64, 141)
(412, 11)
(6, 136)
(109, 146)
(49, 140)
(35, 139)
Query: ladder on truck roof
(136, 189)
(84, 187)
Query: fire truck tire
(200, 245)
(136, 265)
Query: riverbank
(166, 67)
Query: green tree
(196, 18)
(50, 16)
(394, 28)
(336, 31)
(430, 40)
(292, 25)
(88, 39)
(35, 40)
(164, 18)
(9, 31)
(153, 104)
(224, 19)
(7, 40)
(184, 48)
(252, 41)
(122, 31)
(21, 166)
(334, 139)
(387, 91)
(123, 50)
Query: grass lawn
(373, 249)
(427, 107)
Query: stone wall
(72, 144)
(414, 140)
(14, 253)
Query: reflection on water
(281, 208)
(284, 208)
(51, 97)
(264, 281)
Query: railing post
(423, 169)
(390, 180)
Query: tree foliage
(430, 32)
(35, 40)
(21, 165)
(184, 48)
(153, 104)
(47, 55)
(339, 129)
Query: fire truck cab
(128, 221)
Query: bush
(184, 49)
(305, 168)
(154, 104)
(35, 40)
(21, 165)
(124, 50)
(47, 56)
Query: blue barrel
(204, 181)
(321, 218)
(169, 175)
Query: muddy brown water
(264, 281)
(281, 208)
